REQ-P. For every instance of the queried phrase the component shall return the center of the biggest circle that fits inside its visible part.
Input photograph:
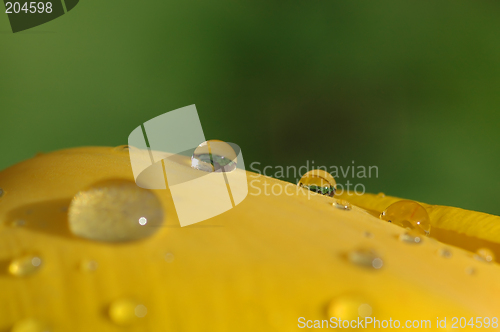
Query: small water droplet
(169, 257)
(343, 204)
(319, 181)
(381, 195)
(408, 214)
(368, 234)
(30, 325)
(214, 156)
(349, 307)
(25, 265)
(445, 253)
(411, 237)
(484, 255)
(470, 270)
(112, 212)
(125, 312)
(87, 265)
(366, 258)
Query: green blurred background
(411, 87)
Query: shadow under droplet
(49, 217)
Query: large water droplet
(126, 311)
(319, 181)
(366, 258)
(115, 211)
(408, 214)
(349, 307)
(214, 156)
(484, 255)
(412, 237)
(25, 265)
(342, 204)
(30, 325)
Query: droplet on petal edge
(349, 307)
(25, 265)
(214, 156)
(342, 204)
(30, 325)
(380, 194)
(319, 181)
(126, 312)
(366, 258)
(112, 212)
(484, 255)
(408, 214)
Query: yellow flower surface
(260, 266)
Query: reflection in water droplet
(169, 257)
(349, 307)
(29, 325)
(126, 312)
(366, 258)
(411, 237)
(484, 255)
(408, 214)
(110, 212)
(443, 252)
(319, 181)
(214, 156)
(380, 195)
(88, 265)
(25, 265)
(342, 204)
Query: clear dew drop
(366, 258)
(115, 211)
(30, 325)
(343, 205)
(408, 214)
(88, 265)
(125, 312)
(380, 195)
(214, 156)
(445, 253)
(25, 265)
(169, 257)
(319, 181)
(484, 255)
(411, 237)
(349, 307)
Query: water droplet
(349, 307)
(381, 195)
(470, 270)
(112, 211)
(445, 253)
(126, 311)
(169, 257)
(25, 265)
(29, 325)
(368, 234)
(342, 204)
(366, 258)
(408, 214)
(411, 237)
(214, 156)
(484, 255)
(319, 181)
(88, 265)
